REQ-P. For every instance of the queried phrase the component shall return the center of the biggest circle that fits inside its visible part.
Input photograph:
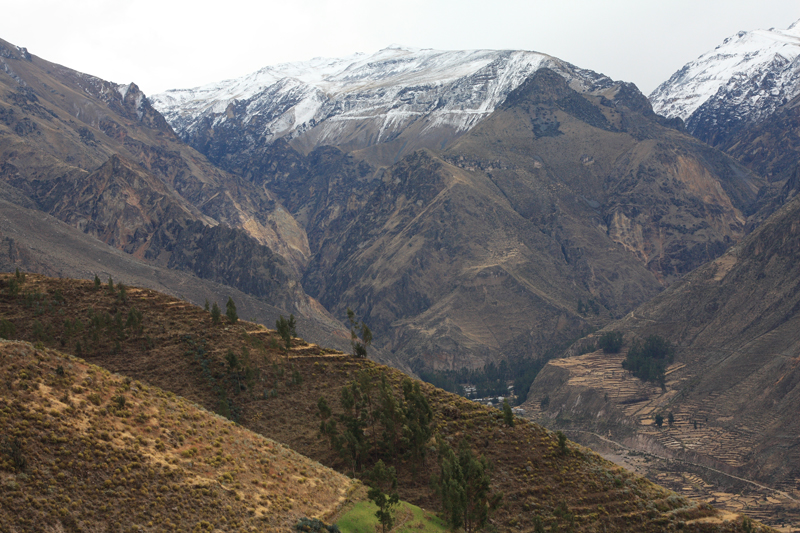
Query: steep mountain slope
(97, 156)
(772, 147)
(569, 488)
(87, 450)
(390, 103)
(485, 250)
(740, 82)
(62, 124)
(736, 326)
(35, 242)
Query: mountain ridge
(529, 210)
(98, 156)
(405, 98)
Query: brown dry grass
(106, 453)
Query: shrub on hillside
(314, 525)
(7, 329)
(230, 311)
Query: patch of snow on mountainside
(755, 67)
(395, 87)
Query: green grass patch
(407, 518)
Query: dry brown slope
(101, 452)
(180, 349)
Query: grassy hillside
(87, 450)
(177, 347)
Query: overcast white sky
(165, 44)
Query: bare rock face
(120, 203)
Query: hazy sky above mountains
(166, 44)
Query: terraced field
(699, 455)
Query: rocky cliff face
(99, 157)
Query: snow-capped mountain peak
(364, 99)
(755, 70)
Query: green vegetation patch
(408, 518)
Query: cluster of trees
(398, 426)
(99, 325)
(659, 419)
(216, 312)
(490, 381)
(196, 348)
(14, 284)
(382, 481)
(648, 361)
(120, 291)
(287, 329)
(7, 329)
(591, 305)
(379, 426)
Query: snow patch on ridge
(123, 89)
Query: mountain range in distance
(388, 230)
(471, 207)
